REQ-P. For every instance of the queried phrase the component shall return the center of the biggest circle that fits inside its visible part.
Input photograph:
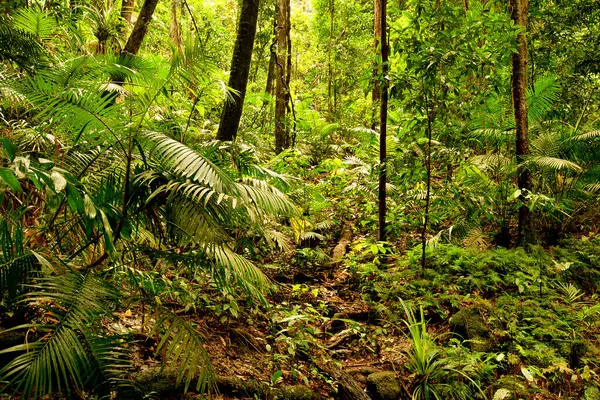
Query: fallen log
(164, 383)
(339, 250)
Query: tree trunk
(174, 29)
(272, 61)
(140, 28)
(281, 89)
(383, 122)
(518, 10)
(240, 69)
(330, 66)
(127, 10)
(376, 93)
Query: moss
(383, 385)
(591, 393)
(296, 392)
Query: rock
(470, 325)
(383, 385)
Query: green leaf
(88, 207)
(74, 199)
(60, 183)
(501, 394)
(8, 176)
(527, 374)
(9, 147)
(276, 376)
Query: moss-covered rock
(469, 324)
(383, 385)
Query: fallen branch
(339, 250)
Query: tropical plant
(104, 192)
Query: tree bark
(376, 93)
(140, 28)
(272, 61)
(281, 88)
(127, 10)
(240, 69)
(383, 123)
(518, 10)
(174, 29)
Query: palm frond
(587, 135)
(554, 163)
(187, 163)
(81, 110)
(40, 24)
(542, 97)
(182, 346)
(65, 355)
(20, 47)
(17, 265)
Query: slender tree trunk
(174, 29)
(272, 61)
(240, 69)
(140, 28)
(376, 93)
(430, 114)
(281, 89)
(127, 10)
(330, 66)
(383, 123)
(518, 10)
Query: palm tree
(98, 201)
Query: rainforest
(300, 199)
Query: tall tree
(240, 68)
(272, 61)
(518, 10)
(383, 121)
(282, 76)
(330, 66)
(127, 10)
(140, 28)
(376, 93)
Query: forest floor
(332, 331)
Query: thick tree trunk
(140, 28)
(518, 10)
(127, 10)
(281, 89)
(383, 123)
(174, 29)
(376, 93)
(240, 69)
